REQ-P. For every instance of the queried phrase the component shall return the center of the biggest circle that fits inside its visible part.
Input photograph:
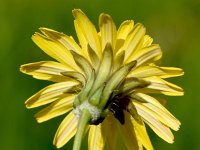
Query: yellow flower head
(103, 84)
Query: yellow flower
(103, 84)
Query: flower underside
(104, 83)
(105, 86)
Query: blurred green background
(174, 24)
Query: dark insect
(117, 106)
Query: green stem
(83, 121)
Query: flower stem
(83, 121)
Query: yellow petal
(90, 54)
(142, 135)
(146, 55)
(66, 130)
(124, 29)
(147, 41)
(149, 99)
(152, 70)
(160, 129)
(133, 42)
(110, 132)
(66, 41)
(167, 88)
(171, 71)
(163, 116)
(46, 70)
(49, 94)
(82, 39)
(122, 33)
(55, 49)
(88, 30)
(95, 138)
(108, 31)
(128, 133)
(57, 108)
(158, 110)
